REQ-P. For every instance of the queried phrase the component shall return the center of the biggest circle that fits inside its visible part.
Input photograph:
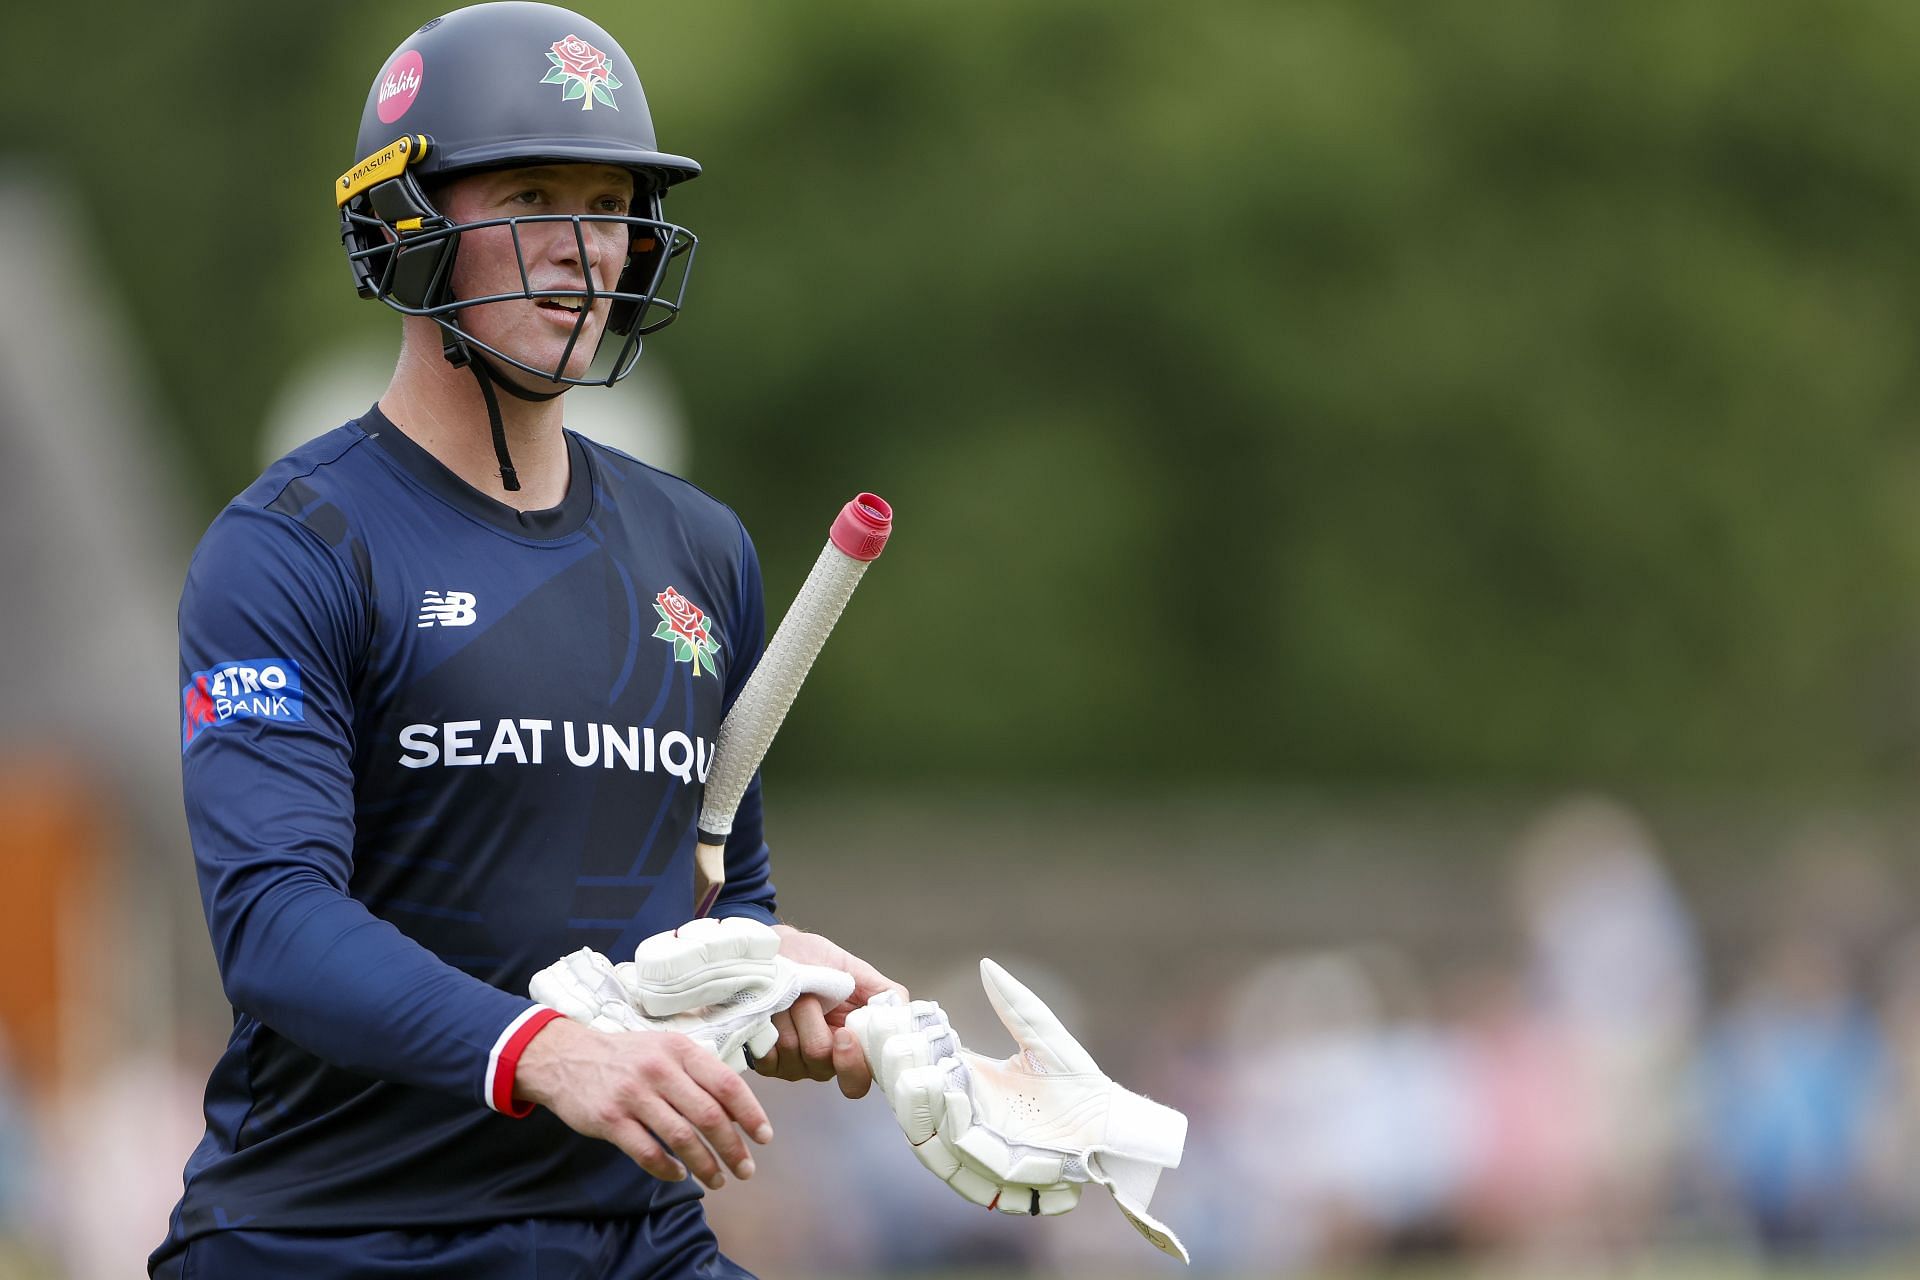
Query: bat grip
(857, 538)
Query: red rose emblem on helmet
(686, 627)
(581, 58)
(585, 70)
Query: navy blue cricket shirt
(430, 744)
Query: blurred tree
(1357, 391)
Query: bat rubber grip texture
(863, 525)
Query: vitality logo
(400, 85)
(449, 609)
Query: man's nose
(565, 247)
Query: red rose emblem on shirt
(683, 614)
(685, 626)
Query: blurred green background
(1321, 434)
(1350, 392)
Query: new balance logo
(446, 609)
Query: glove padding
(1025, 1134)
(717, 981)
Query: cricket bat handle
(858, 536)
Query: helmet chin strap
(459, 353)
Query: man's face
(536, 331)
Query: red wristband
(505, 1058)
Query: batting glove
(1022, 1135)
(718, 981)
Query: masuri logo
(587, 73)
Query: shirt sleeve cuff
(505, 1058)
(750, 910)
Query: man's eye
(613, 204)
(525, 197)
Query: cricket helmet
(498, 86)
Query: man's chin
(546, 358)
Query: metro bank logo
(253, 688)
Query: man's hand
(619, 1086)
(814, 1043)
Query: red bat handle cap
(861, 529)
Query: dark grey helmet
(495, 86)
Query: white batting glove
(1025, 1134)
(718, 981)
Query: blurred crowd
(1591, 1095)
(1601, 1066)
(1584, 1090)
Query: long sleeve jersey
(429, 745)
